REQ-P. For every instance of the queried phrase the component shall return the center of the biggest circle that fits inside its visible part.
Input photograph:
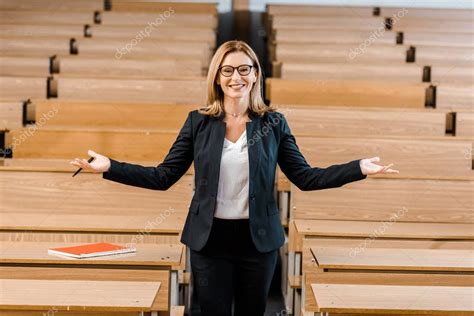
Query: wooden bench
(327, 22)
(464, 124)
(167, 257)
(452, 75)
(11, 115)
(176, 19)
(113, 114)
(22, 88)
(440, 39)
(45, 17)
(190, 34)
(53, 5)
(387, 261)
(106, 67)
(455, 97)
(439, 201)
(25, 66)
(33, 47)
(305, 234)
(138, 90)
(346, 92)
(338, 53)
(140, 6)
(46, 30)
(85, 216)
(78, 295)
(420, 300)
(318, 10)
(118, 48)
(434, 25)
(443, 55)
(330, 36)
(424, 14)
(326, 121)
(406, 73)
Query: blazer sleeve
(162, 177)
(298, 171)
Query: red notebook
(91, 250)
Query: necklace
(236, 114)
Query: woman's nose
(236, 75)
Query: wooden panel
(416, 201)
(303, 229)
(455, 97)
(22, 88)
(330, 260)
(335, 23)
(414, 158)
(452, 75)
(432, 13)
(78, 295)
(176, 19)
(11, 115)
(164, 255)
(329, 92)
(349, 122)
(444, 55)
(25, 46)
(164, 34)
(150, 6)
(339, 53)
(382, 279)
(441, 39)
(330, 36)
(146, 91)
(47, 201)
(464, 124)
(407, 73)
(118, 48)
(114, 114)
(32, 30)
(102, 67)
(45, 17)
(435, 25)
(52, 5)
(24, 66)
(36, 273)
(379, 299)
(319, 11)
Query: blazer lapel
(252, 144)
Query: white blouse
(233, 188)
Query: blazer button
(252, 197)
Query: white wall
(259, 5)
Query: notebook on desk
(91, 250)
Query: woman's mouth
(237, 87)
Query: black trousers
(230, 269)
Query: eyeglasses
(228, 71)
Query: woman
(233, 227)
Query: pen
(79, 170)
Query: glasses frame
(234, 68)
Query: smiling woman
(233, 227)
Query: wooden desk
(78, 295)
(390, 299)
(148, 256)
(451, 261)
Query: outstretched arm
(306, 178)
(162, 177)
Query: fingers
(374, 159)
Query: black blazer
(269, 141)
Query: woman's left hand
(368, 166)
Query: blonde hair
(215, 95)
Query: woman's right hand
(99, 164)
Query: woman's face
(236, 85)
